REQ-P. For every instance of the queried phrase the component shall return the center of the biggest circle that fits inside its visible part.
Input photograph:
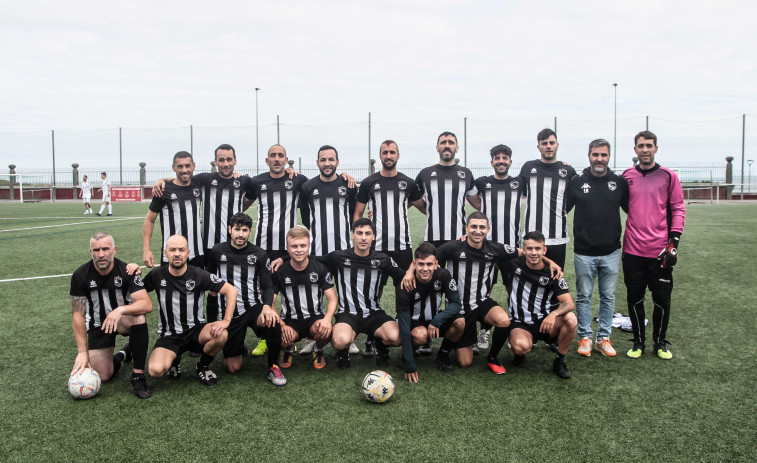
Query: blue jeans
(605, 269)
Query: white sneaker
(308, 347)
(353, 349)
(483, 339)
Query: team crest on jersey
(163, 283)
(173, 196)
(394, 264)
(437, 285)
(313, 277)
(563, 172)
(236, 183)
(287, 281)
(347, 262)
(268, 264)
(612, 185)
(117, 281)
(563, 284)
(251, 259)
(375, 263)
(342, 190)
(288, 184)
(489, 256)
(214, 182)
(215, 278)
(402, 184)
(138, 280)
(461, 174)
(509, 249)
(196, 192)
(92, 284)
(453, 285)
(190, 285)
(514, 185)
(223, 258)
(543, 281)
(329, 278)
(263, 187)
(417, 296)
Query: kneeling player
(247, 267)
(418, 314)
(540, 307)
(96, 287)
(180, 292)
(303, 282)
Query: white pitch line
(49, 218)
(43, 277)
(67, 224)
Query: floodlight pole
(615, 129)
(743, 140)
(749, 176)
(257, 135)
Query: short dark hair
(389, 142)
(241, 219)
(534, 235)
(104, 173)
(544, 134)
(645, 134)
(598, 143)
(328, 147)
(424, 250)
(181, 155)
(501, 149)
(443, 134)
(477, 215)
(225, 146)
(362, 222)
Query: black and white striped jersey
(388, 198)
(446, 188)
(179, 210)
(221, 198)
(500, 201)
(302, 290)
(534, 292)
(326, 209)
(180, 299)
(546, 186)
(359, 279)
(474, 269)
(247, 269)
(278, 199)
(425, 301)
(104, 292)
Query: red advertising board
(126, 194)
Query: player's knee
(233, 365)
(155, 371)
(419, 339)
(464, 362)
(570, 321)
(520, 347)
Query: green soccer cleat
(260, 349)
(635, 351)
(662, 350)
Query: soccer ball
(378, 386)
(84, 385)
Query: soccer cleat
(584, 347)
(175, 371)
(635, 351)
(353, 349)
(443, 362)
(560, 369)
(319, 360)
(552, 346)
(260, 349)
(369, 350)
(308, 347)
(285, 359)
(207, 377)
(495, 366)
(483, 339)
(126, 349)
(382, 354)
(662, 350)
(276, 377)
(519, 360)
(139, 382)
(98, 214)
(605, 346)
(109, 215)
(343, 359)
(424, 349)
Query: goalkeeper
(656, 214)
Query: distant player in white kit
(106, 194)
(85, 193)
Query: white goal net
(23, 188)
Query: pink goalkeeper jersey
(655, 208)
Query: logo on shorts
(214, 278)
(316, 192)
(287, 281)
(191, 285)
(117, 281)
(236, 183)
(342, 190)
(402, 184)
(288, 184)
(251, 259)
(329, 278)
(92, 284)
(375, 263)
(514, 184)
(563, 172)
(453, 285)
(313, 277)
(196, 192)
(562, 284)
(612, 185)
(163, 283)
(461, 174)
(138, 280)
(543, 281)
(437, 285)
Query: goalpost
(12, 186)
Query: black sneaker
(207, 377)
(126, 349)
(343, 359)
(109, 215)
(553, 347)
(369, 350)
(382, 354)
(443, 362)
(424, 349)
(560, 369)
(519, 360)
(139, 382)
(175, 371)
(98, 214)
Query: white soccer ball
(84, 385)
(378, 386)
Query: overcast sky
(418, 67)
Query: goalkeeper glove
(669, 256)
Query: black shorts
(534, 330)
(302, 327)
(99, 339)
(468, 337)
(367, 325)
(180, 343)
(238, 331)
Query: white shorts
(106, 199)
(86, 199)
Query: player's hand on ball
(669, 256)
(81, 363)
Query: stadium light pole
(749, 175)
(257, 135)
(615, 129)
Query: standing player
(598, 195)
(85, 193)
(108, 299)
(179, 209)
(546, 181)
(540, 307)
(656, 215)
(419, 313)
(303, 282)
(180, 290)
(106, 194)
(247, 267)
